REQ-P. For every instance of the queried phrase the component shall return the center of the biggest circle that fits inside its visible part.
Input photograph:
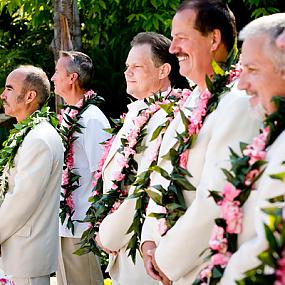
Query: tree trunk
(67, 34)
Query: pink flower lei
(142, 181)
(107, 203)
(70, 180)
(271, 269)
(223, 241)
(173, 195)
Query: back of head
(81, 64)
(210, 15)
(271, 27)
(160, 54)
(35, 80)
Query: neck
(26, 113)
(74, 96)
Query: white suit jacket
(114, 227)
(178, 252)
(29, 212)
(252, 240)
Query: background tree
(103, 27)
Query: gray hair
(81, 64)
(271, 27)
(35, 80)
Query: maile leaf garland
(87, 242)
(175, 101)
(70, 179)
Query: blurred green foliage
(107, 27)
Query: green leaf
(156, 197)
(216, 196)
(161, 171)
(156, 132)
(279, 176)
(271, 238)
(217, 69)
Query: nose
(53, 77)
(128, 71)
(2, 96)
(173, 47)
(243, 83)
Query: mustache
(181, 54)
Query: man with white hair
(262, 78)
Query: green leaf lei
(102, 205)
(87, 242)
(14, 141)
(238, 177)
(172, 199)
(67, 131)
(272, 259)
(143, 180)
(267, 271)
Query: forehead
(254, 51)
(62, 62)
(140, 54)
(15, 78)
(183, 22)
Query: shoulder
(93, 113)
(235, 104)
(44, 133)
(277, 149)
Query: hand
(165, 280)
(147, 260)
(99, 244)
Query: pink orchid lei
(125, 176)
(5, 281)
(177, 100)
(98, 182)
(70, 180)
(171, 200)
(271, 269)
(87, 242)
(245, 171)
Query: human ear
(164, 70)
(74, 76)
(216, 38)
(30, 96)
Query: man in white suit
(263, 69)
(28, 214)
(72, 79)
(202, 31)
(150, 69)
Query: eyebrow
(9, 86)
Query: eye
(251, 70)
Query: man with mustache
(203, 31)
(30, 167)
